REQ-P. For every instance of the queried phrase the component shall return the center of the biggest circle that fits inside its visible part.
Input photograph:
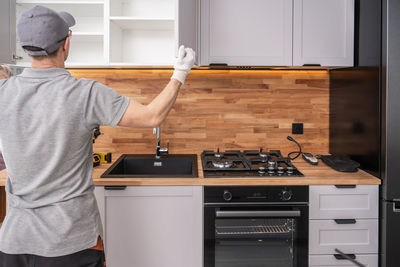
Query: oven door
(263, 236)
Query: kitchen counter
(313, 175)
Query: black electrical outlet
(297, 128)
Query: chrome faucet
(159, 149)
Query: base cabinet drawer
(344, 202)
(331, 261)
(360, 237)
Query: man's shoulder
(88, 82)
(84, 85)
(91, 84)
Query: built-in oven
(257, 226)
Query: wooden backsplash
(226, 109)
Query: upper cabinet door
(7, 31)
(246, 32)
(323, 32)
(187, 23)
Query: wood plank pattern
(228, 109)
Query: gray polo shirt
(46, 125)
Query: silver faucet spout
(159, 150)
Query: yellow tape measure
(104, 157)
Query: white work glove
(183, 63)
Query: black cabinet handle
(218, 65)
(345, 186)
(349, 257)
(312, 65)
(345, 221)
(342, 257)
(113, 187)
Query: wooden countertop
(313, 175)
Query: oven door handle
(257, 213)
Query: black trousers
(84, 258)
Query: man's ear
(66, 44)
(65, 48)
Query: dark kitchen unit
(252, 226)
(365, 111)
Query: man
(45, 130)
(5, 72)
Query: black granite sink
(147, 166)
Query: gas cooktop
(249, 163)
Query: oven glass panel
(255, 242)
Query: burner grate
(249, 163)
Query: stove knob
(227, 195)
(289, 170)
(271, 164)
(271, 171)
(261, 171)
(286, 195)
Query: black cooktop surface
(249, 163)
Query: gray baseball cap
(43, 28)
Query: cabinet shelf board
(143, 8)
(166, 65)
(125, 18)
(83, 64)
(144, 24)
(81, 33)
(75, 2)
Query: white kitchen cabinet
(152, 226)
(277, 32)
(149, 32)
(246, 33)
(233, 32)
(323, 32)
(344, 218)
(122, 32)
(7, 34)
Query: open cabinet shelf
(87, 42)
(88, 17)
(120, 32)
(142, 32)
(143, 8)
(86, 50)
(138, 43)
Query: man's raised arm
(153, 114)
